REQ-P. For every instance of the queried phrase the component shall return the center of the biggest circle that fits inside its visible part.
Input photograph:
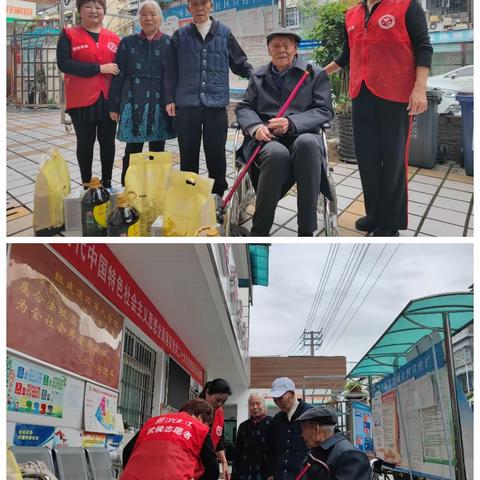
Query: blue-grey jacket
(288, 450)
(198, 69)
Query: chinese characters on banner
(34, 389)
(100, 266)
(54, 316)
(100, 409)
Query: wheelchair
(242, 204)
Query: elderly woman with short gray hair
(136, 98)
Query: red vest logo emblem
(218, 431)
(386, 22)
(112, 47)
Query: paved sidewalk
(440, 199)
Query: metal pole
(466, 370)
(460, 472)
(444, 412)
(402, 420)
(283, 13)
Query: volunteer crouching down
(173, 446)
(293, 150)
(331, 455)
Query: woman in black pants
(86, 55)
(136, 95)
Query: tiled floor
(440, 200)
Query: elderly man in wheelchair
(293, 148)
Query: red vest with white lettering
(217, 427)
(168, 447)
(381, 54)
(215, 434)
(84, 91)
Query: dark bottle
(95, 207)
(124, 220)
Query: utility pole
(313, 340)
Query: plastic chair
(100, 463)
(71, 463)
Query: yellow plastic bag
(189, 205)
(52, 185)
(13, 470)
(147, 176)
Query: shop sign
(235, 304)
(34, 389)
(21, 10)
(52, 315)
(100, 266)
(452, 36)
(100, 409)
(181, 11)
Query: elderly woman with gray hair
(252, 444)
(136, 95)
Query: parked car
(450, 83)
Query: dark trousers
(86, 133)
(193, 123)
(380, 129)
(157, 146)
(281, 164)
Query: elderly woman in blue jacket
(136, 97)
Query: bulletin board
(411, 417)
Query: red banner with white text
(102, 268)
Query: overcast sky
(280, 311)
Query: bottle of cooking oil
(95, 208)
(124, 219)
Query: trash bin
(423, 141)
(466, 102)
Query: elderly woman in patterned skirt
(136, 95)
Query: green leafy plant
(329, 29)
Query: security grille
(136, 392)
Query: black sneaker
(365, 224)
(384, 232)
(107, 183)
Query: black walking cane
(308, 72)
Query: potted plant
(329, 28)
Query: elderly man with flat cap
(331, 455)
(287, 449)
(293, 149)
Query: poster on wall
(362, 426)
(34, 389)
(55, 316)
(90, 439)
(26, 435)
(100, 409)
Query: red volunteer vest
(84, 91)
(381, 54)
(167, 448)
(217, 427)
(215, 434)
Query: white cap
(282, 385)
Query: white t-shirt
(203, 28)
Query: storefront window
(136, 391)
